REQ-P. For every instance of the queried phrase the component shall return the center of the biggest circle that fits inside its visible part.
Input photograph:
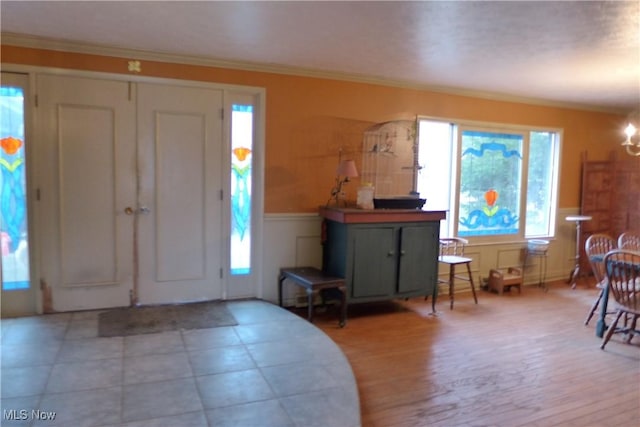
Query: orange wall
(308, 120)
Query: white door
(86, 177)
(179, 199)
(129, 179)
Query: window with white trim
(497, 182)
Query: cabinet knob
(391, 253)
(402, 253)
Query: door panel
(374, 265)
(180, 197)
(416, 250)
(179, 147)
(87, 196)
(86, 176)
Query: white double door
(129, 182)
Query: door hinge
(221, 273)
(222, 114)
(221, 194)
(35, 99)
(38, 194)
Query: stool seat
(454, 259)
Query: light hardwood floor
(515, 360)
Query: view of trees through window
(541, 183)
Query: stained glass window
(241, 162)
(497, 182)
(13, 189)
(490, 172)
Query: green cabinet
(381, 261)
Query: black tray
(399, 203)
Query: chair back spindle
(622, 268)
(596, 247)
(629, 240)
(623, 272)
(452, 246)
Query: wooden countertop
(370, 216)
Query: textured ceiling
(581, 53)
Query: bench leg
(310, 305)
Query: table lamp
(346, 169)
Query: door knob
(143, 210)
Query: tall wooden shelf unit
(611, 196)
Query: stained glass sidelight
(13, 188)
(241, 162)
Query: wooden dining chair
(596, 247)
(452, 254)
(629, 240)
(622, 268)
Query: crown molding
(35, 42)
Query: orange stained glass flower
(241, 153)
(10, 145)
(491, 196)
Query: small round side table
(578, 219)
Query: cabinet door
(418, 250)
(374, 261)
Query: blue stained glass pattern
(491, 167)
(13, 201)
(241, 174)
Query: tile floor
(273, 369)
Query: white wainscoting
(290, 240)
(293, 240)
(560, 256)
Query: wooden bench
(313, 279)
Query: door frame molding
(229, 91)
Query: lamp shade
(347, 168)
